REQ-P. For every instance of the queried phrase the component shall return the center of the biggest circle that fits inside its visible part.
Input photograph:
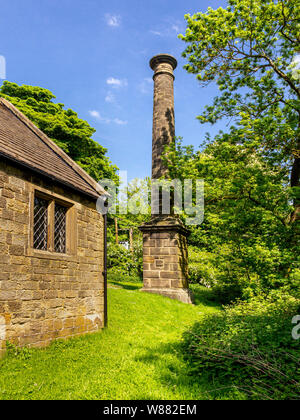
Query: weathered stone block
(151, 274)
(160, 283)
(39, 291)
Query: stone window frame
(71, 224)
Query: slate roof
(22, 142)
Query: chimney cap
(163, 58)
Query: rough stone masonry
(164, 237)
(44, 296)
(46, 293)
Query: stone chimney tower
(163, 110)
(164, 237)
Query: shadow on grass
(204, 296)
(233, 356)
(181, 377)
(175, 375)
(126, 286)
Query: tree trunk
(295, 182)
(131, 239)
(117, 231)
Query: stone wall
(165, 263)
(44, 295)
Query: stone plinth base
(166, 258)
(183, 295)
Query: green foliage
(139, 209)
(132, 204)
(252, 189)
(119, 277)
(246, 243)
(248, 49)
(64, 127)
(202, 268)
(23, 353)
(251, 173)
(248, 347)
(122, 262)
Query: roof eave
(56, 149)
(51, 177)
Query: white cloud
(116, 83)
(169, 27)
(113, 20)
(110, 98)
(145, 86)
(96, 114)
(120, 122)
(156, 33)
(2, 67)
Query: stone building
(52, 250)
(165, 252)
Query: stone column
(163, 110)
(164, 237)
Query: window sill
(48, 255)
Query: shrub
(228, 290)
(229, 282)
(115, 276)
(123, 262)
(249, 347)
(231, 274)
(202, 269)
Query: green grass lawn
(136, 357)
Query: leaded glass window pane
(40, 230)
(60, 228)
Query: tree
(250, 50)
(249, 240)
(245, 244)
(64, 127)
(132, 208)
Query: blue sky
(94, 56)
